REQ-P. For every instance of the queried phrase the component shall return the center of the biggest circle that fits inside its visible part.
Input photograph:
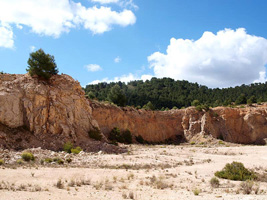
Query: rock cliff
(53, 112)
(36, 113)
(239, 125)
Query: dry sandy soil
(145, 172)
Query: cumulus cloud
(122, 3)
(117, 59)
(124, 78)
(100, 20)
(106, 1)
(52, 18)
(6, 37)
(228, 58)
(93, 68)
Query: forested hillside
(168, 93)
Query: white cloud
(32, 48)
(6, 36)
(100, 20)
(122, 3)
(227, 58)
(52, 18)
(117, 59)
(105, 1)
(128, 3)
(262, 77)
(19, 26)
(93, 68)
(124, 78)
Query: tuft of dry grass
(247, 186)
(60, 184)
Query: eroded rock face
(153, 126)
(57, 110)
(239, 125)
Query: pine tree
(41, 64)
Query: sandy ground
(145, 172)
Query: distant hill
(167, 93)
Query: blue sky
(93, 40)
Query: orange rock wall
(240, 125)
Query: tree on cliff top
(117, 96)
(42, 64)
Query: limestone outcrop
(239, 125)
(53, 112)
(36, 113)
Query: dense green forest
(167, 93)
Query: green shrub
(56, 159)
(124, 137)
(127, 137)
(76, 150)
(214, 182)
(42, 64)
(69, 160)
(235, 171)
(221, 142)
(115, 135)
(202, 107)
(2, 162)
(67, 147)
(199, 108)
(149, 106)
(27, 156)
(95, 134)
(48, 160)
(91, 95)
(140, 139)
(19, 161)
(196, 192)
(60, 161)
(195, 103)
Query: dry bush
(214, 182)
(108, 186)
(59, 184)
(98, 185)
(159, 183)
(247, 186)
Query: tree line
(166, 93)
